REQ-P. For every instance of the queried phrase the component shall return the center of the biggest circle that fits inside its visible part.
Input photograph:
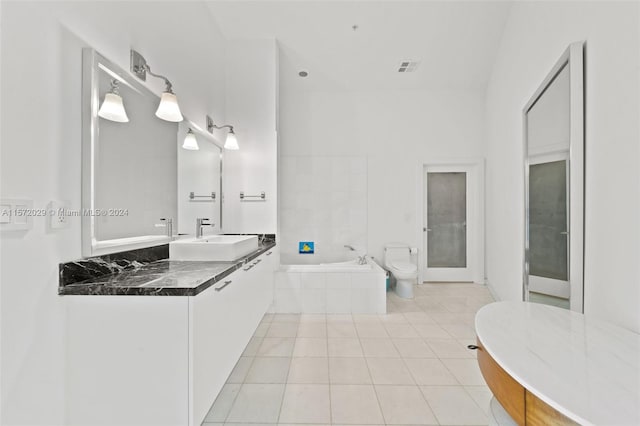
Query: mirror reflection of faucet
(168, 225)
(200, 222)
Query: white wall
(394, 130)
(535, 36)
(251, 99)
(40, 159)
(324, 200)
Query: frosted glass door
(446, 226)
(548, 220)
(548, 225)
(447, 220)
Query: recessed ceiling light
(303, 73)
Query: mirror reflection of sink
(223, 248)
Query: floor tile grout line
(286, 384)
(429, 405)
(419, 386)
(244, 379)
(375, 391)
(472, 398)
(451, 371)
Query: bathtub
(348, 266)
(332, 288)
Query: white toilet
(397, 259)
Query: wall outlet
(57, 214)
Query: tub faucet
(200, 222)
(362, 260)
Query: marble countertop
(585, 368)
(161, 278)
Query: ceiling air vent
(408, 66)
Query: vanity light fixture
(231, 143)
(190, 141)
(168, 109)
(112, 107)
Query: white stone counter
(587, 369)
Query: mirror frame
(91, 62)
(573, 58)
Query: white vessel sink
(223, 248)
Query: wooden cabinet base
(523, 407)
(507, 391)
(539, 413)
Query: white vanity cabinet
(160, 360)
(223, 318)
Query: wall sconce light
(190, 141)
(168, 109)
(112, 107)
(231, 143)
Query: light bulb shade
(190, 142)
(232, 142)
(112, 108)
(169, 109)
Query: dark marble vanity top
(144, 274)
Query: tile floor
(408, 367)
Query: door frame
(475, 213)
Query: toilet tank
(398, 252)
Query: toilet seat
(404, 266)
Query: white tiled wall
(330, 292)
(322, 199)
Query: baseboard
(492, 291)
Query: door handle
(269, 254)
(226, 283)
(426, 229)
(564, 233)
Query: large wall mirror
(554, 186)
(135, 174)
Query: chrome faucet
(200, 222)
(168, 224)
(362, 260)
